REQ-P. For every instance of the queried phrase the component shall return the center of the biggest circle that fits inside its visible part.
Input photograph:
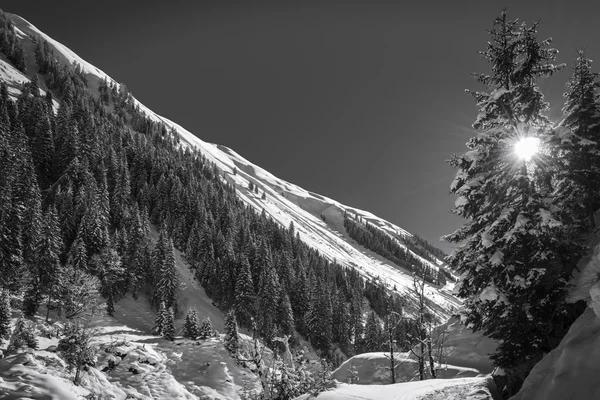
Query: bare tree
(419, 291)
(391, 322)
(256, 359)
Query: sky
(359, 101)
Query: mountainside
(120, 231)
(318, 220)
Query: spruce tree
(169, 325)
(578, 146)
(191, 326)
(515, 254)
(231, 333)
(167, 277)
(5, 315)
(245, 297)
(159, 321)
(206, 330)
(23, 336)
(373, 335)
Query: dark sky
(359, 101)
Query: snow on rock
(589, 273)
(570, 371)
(595, 298)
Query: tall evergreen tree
(191, 326)
(5, 315)
(169, 327)
(578, 147)
(515, 253)
(231, 333)
(167, 277)
(206, 330)
(159, 321)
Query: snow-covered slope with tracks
(317, 219)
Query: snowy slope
(285, 202)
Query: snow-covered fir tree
(206, 330)
(515, 253)
(577, 146)
(23, 336)
(231, 333)
(5, 315)
(191, 326)
(159, 321)
(167, 277)
(169, 324)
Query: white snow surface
(285, 202)
(432, 389)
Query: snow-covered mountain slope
(317, 219)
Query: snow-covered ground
(285, 202)
(374, 368)
(462, 353)
(433, 389)
(130, 364)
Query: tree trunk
(48, 309)
(431, 362)
(77, 376)
(422, 362)
(392, 362)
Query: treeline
(81, 186)
(383, 244)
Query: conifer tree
(5, 315)
(515, 253)
(159, 321)
(167, 277)
(268, 302)
(50, 271)
(578, 146)
(244, 293)
(206, 330)
(191, 326)
(169, 325)
(23, 336)
(373, 333)
(231, 333)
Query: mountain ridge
(317, 219)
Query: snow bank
(571, 370)
(373, 368)
(433, 389)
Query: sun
(527, 147)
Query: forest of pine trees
(383, 244)
(83, 186)
(527, 220)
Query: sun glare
(527, 147)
